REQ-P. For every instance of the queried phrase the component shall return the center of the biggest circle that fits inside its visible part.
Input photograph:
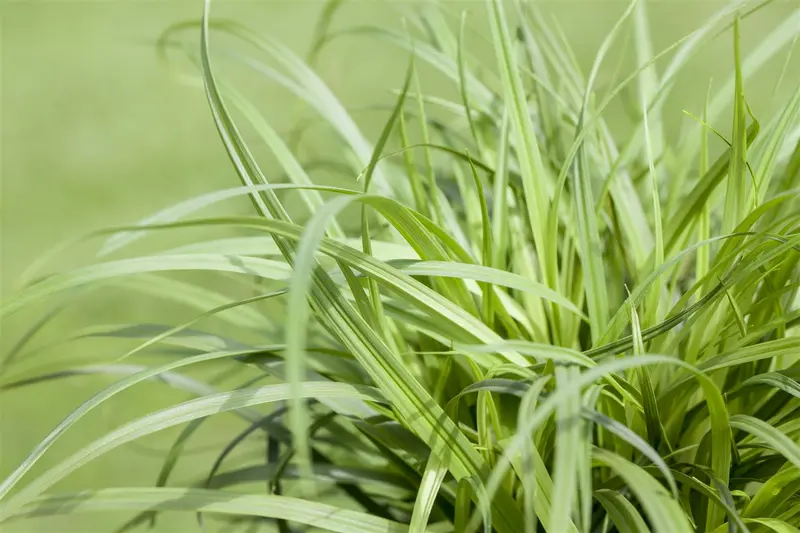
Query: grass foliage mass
(506, 317)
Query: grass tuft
(537, 324)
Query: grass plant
(506, 318)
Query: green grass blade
(429, 487)
(181, 210)
(774, 438)
(534, 174)
(665, 514)
(264, 268)
(634, 440)
(177, 415)
(589, 243)
(322, 28)
(500, 223)
(778, 526)
(737, 177)
(567, 447)
(779, 36)
(649, 403)
(651, 316)
(772, 146)
(624, 515)
(314, 514)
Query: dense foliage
(534, 325)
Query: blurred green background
(96, 132)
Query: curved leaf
(314, 514)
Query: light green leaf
(664, 512)
(772, 436)
(621, 511)
(432, 478)
(265, 268)
(314, 514)
(170, 417)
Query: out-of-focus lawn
(96, 133)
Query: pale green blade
(314, 514)
(664, 512)
(174, 416)
(432, 479)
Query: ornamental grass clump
(506, 317)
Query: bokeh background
(97, 131)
